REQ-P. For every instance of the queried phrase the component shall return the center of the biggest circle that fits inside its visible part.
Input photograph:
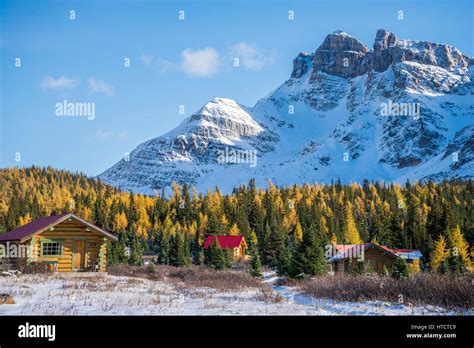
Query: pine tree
(256, 265)
(400, 268)
(285, 261)
(177, 254)
(163, 255)
(455, 264)
(197, 256)
(119, 250)
(215, 257)
(136, 257)
(274, 243)
(309, 256)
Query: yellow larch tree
(460, 246)
(440, 252)
(350, 232)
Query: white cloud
(164, 66)
(59, 84)
(147, 59)
(101, 134)
(200, 63)
(251, 57)
(110, 135)
(123, 135)
(99, 86)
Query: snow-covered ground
(111, 295)
(330, 307)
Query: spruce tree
(177, 255)
(400, 268)
(309, 255)
(455, 264)
(285, 261)
(163, 256)
(215, 257)
(274, 243)
(121, 255)
(136, 257)
(256, 265)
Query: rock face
(302, 64)
(384, 46)
(403, 110)
(461, 148)
(341, 55)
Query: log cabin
(236, 243)
(65, 242)
(375, 258)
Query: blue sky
(172, 62)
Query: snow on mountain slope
(401, 110)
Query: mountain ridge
(326, 122)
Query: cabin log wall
(69, 231)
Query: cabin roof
(225, 242)
(25, 232)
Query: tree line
(285, 227)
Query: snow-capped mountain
(403, 110)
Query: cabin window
(52, 248)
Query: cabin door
(380, 267)
(79, 254)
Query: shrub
(151, 268)
(449, 291)
(400, 269)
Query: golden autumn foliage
(234, 230)
(350, 233)
(414, 267)
(460, 246)
(440, 253)
(341, 213)
(120, 222)
(298, 232)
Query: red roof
(225, 242)
(404, 250)
(24, 231)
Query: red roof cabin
(236, 243)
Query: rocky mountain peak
(343, 55)
(341, 41)
(224, 117)
(384, 46)
(302, 64)
(330, 109)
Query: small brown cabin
(375, 258)
(65, 242)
